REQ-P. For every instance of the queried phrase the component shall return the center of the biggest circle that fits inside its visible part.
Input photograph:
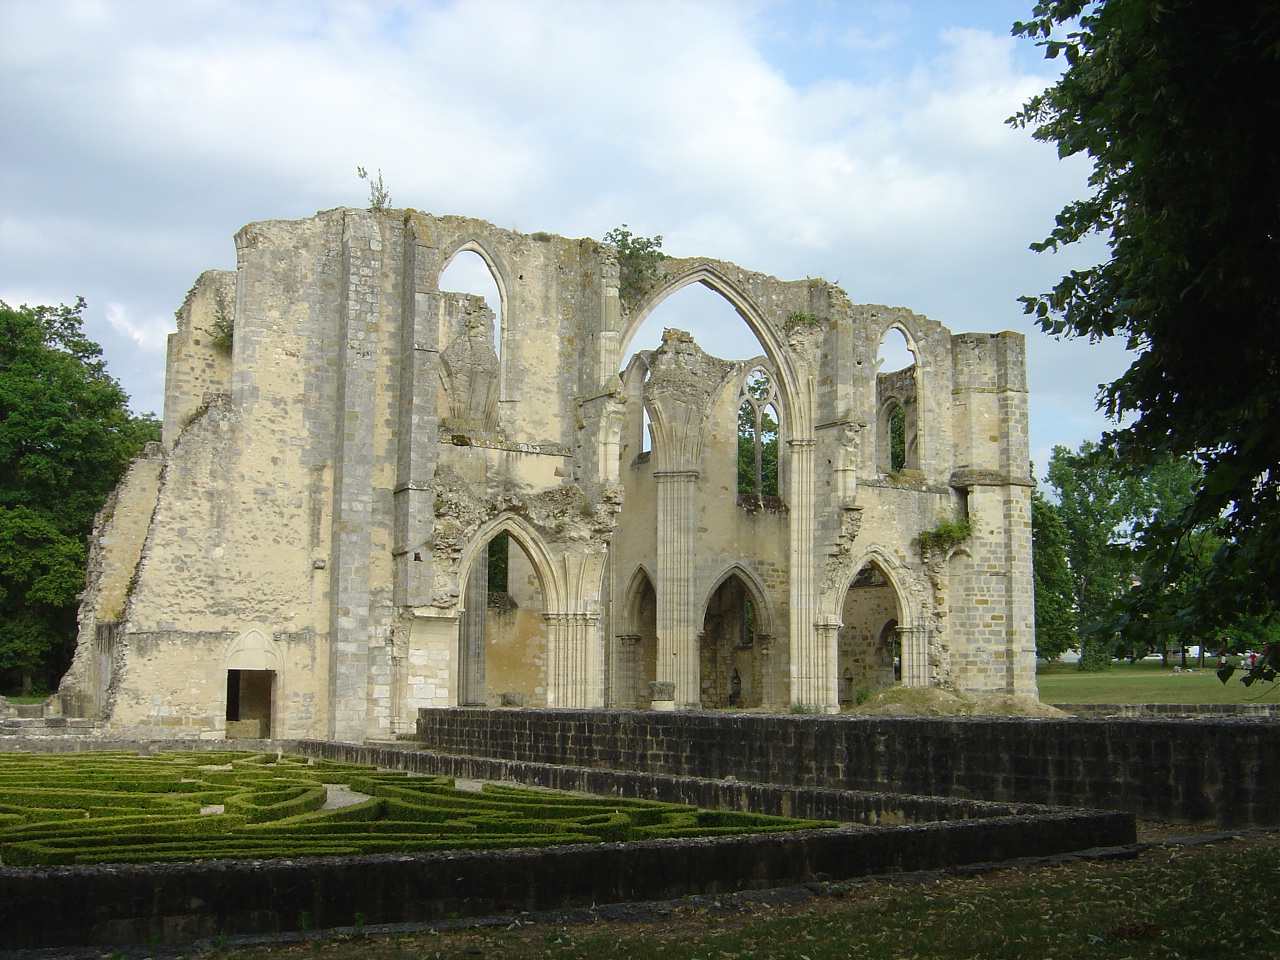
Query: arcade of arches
(391, 496)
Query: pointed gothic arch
(636, 643)
(497, 269)
(879, 641)
(735, 659)
(771, 338)
(897, 405)
(503, 648)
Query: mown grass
(1215, 901)
(1146, 681)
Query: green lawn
(1210, 903)
(1146, 681)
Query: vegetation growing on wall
(222, 333)
(638, 259)
(176, 806)
(947, 535)
(379, 198)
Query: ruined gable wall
(240, 539)
(196, 368)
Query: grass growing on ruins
(117, 807)
(1146, 681)
(1214, 901)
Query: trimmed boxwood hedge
(118, 807)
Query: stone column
(813, 680)
(471, 636)
(626, 669)
(915, 656)
(572, 681)
(827, 638)
(677, 632)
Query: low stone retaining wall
(1191, 771)
(120, 904)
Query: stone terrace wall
(1193, 771)
(121, 903)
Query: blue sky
(858, 141)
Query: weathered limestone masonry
(385, 497)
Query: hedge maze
(118, 807)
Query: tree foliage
(638, 259)
(1175, 102)
(1054, 589)
(66, 437)
(1105, 509)
(757, 439)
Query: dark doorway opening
(249, 695)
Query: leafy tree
(1055, 592)
(757, 439)
(638, 259)
(1175, 102)
(66, 437)
(1106, 509)
(1096, 504)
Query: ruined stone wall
(326, 490)
(198, 358)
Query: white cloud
(147, 333)
(144, 134)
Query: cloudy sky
(858, 140)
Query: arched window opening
(637, 647)
(758, 438)
(715, 324)
(897, 439)
(468, 273)
(502, 641)
(897, 387)
(645, 428)
(895, 353)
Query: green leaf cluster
(1051, 575)
(757, 440)
(66, 437)
(1111, 511)
(1174, 102)
(638, 259)
(947, 534)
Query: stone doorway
(249, 697)
(731, 668)
(869, 651)
(502, 642)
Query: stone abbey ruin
(384, 497)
